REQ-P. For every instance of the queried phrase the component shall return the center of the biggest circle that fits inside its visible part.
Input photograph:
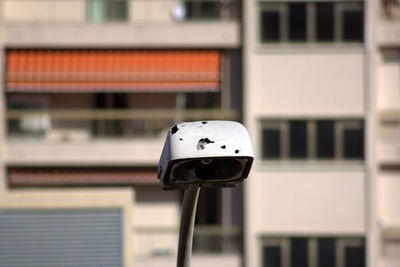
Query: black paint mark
(203, 122)
(237, 151)
(206, 140)
(181, 139)
(203, 142)
(174, 129)
(223, 147)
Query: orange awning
(112, 70)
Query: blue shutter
(70, 237)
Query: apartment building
(89, 90)
(321, 103)
(90, 87)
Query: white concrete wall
(45, 11)
(306, 84)
(307, 201)
(157, 216)
(168, 35)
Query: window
(324, 22)
(313, 251)
(270, 16)
(354, 256)
(353, 140)
(297, 22)
(311, 22)
(271, 138)
(203, 9)
(273, 250)
(325, 139)
(299, 252)
(353, 22)
(312, 139)
(107, 10)
(326, 252)
(298, 139)
(272, 256)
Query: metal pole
(189, 206)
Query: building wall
(308, 201)
(306, 84)
(156, 235)
(306, 198)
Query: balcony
(388, 31)
(95, 137)
(214, 245)
(122, 23)
(388, 145)
(390, 248)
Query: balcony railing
(117, 11)
(391, 10)
(389, 127)
(217, 239)
(111, 123)
(156, 241)
(390, 244)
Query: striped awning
(81, 176)
(112, 70)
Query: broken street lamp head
(207, 153)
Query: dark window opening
(109, 101)
(298, 139)
(271, 143)
(270, 25)
(325, 22)
(355, 256)
(272, 256)
(353, 25)
(208, 209)
(116, 10)
(325, 139)
(297, 22)
(210, 9)
(203, 9)
(202, 100)
(353, 143)
(299, 252)
(326, 252)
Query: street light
(202, 153)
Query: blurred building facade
(89, 88)
(321, 101)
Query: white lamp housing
(209, 153)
